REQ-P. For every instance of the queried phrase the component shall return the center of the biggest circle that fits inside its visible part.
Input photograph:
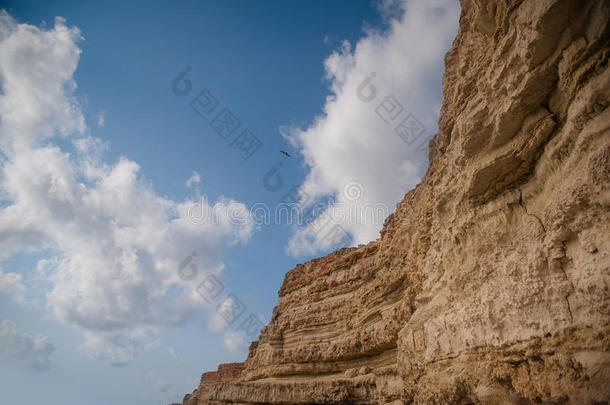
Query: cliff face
(490, 282)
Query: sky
(147, 214)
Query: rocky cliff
(490, 282)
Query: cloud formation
(115, 243)
(34, 351)
(101, 119)
(373, 133)
(235, 341)
(193, 180)
(11, 283)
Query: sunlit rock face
(490, 282)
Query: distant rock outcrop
(490, 283)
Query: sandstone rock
(351, 372)
(490, 284)
(226, 372)
(364, 370)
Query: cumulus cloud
(225, 311)
(193, 180)
(34, 351)
(118, 347)
(372, 136)
(101, 119)
(11, 283)
(117, 244)
(235, 341)
(158, 383)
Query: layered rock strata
(490, 283)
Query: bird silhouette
(283, 152)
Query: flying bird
(283, 152)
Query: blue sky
(96, 150)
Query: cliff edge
(490, 282)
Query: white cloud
(390, 9)
(194, 179)
(34, 351)
(101, 119)
(117, 347)
(11, 283)
(350, 142)
(37, 68)
(235, 341)
(223, 311)
(117, 244)
(158, 383)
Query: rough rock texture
(490, 282)
(226, 372)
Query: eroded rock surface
(490, 282)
